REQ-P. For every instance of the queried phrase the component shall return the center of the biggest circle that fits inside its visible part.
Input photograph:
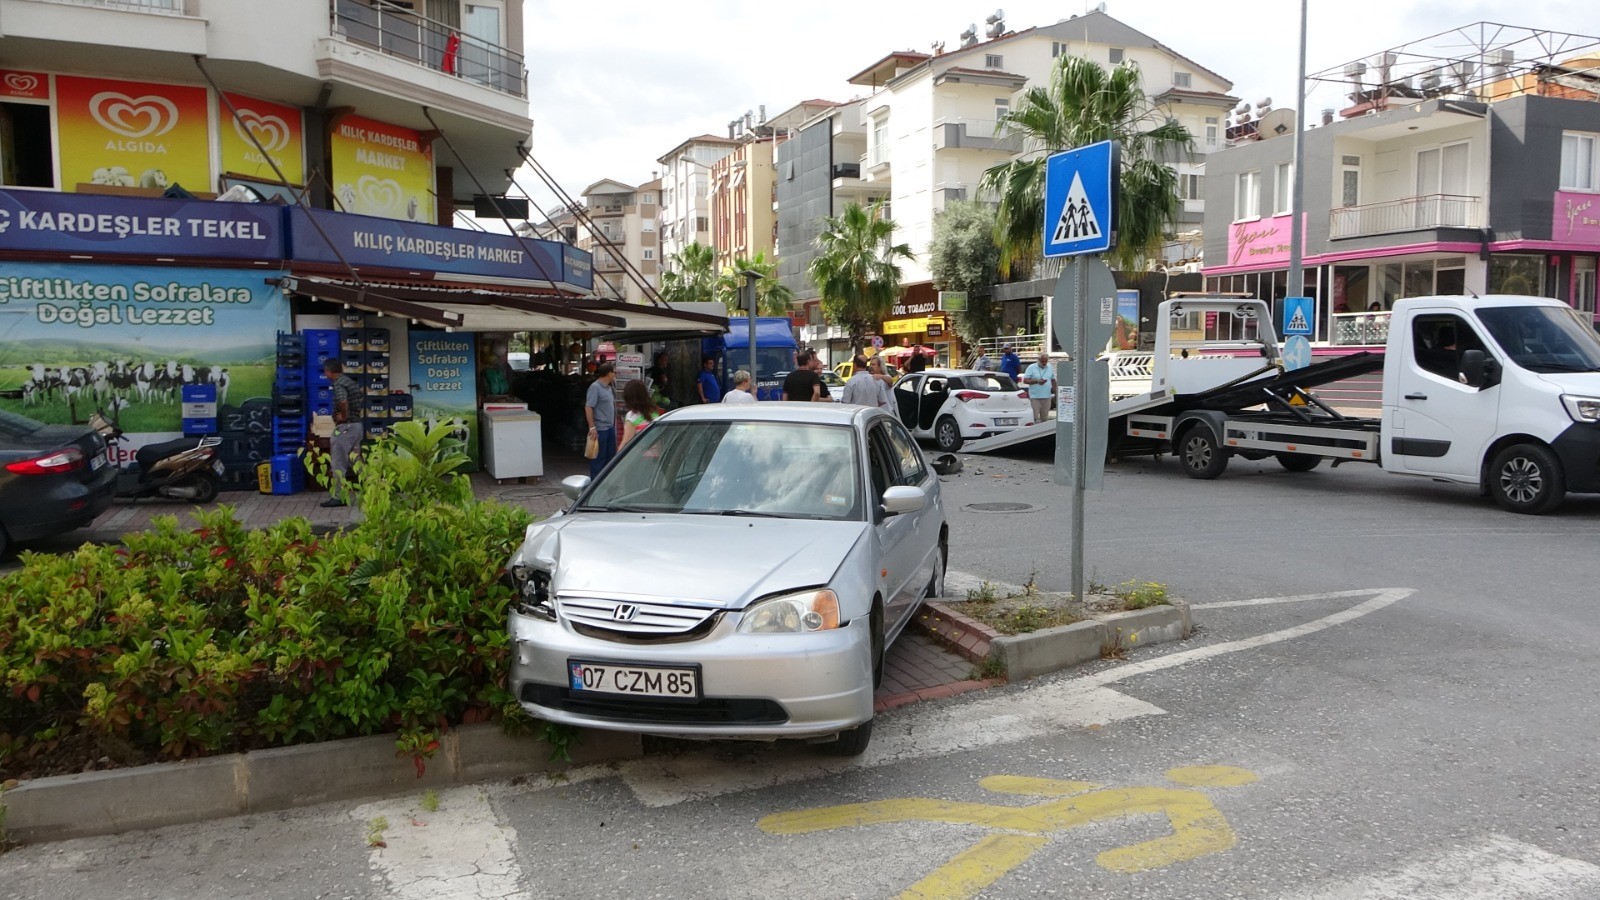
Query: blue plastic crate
(288, 474)
(321, 339)
(198, 393)
(287, 376)
(195, 427)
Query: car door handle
(1416, 396)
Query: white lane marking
(1496, 868)
(1298, 598)
(460, 851)
(931, 729)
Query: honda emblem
(624, 612)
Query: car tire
(1201, 455)
(851, 742)
(947, 434)
(1527, 478)
(1298, 462)
(936, 581)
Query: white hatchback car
(955, 405)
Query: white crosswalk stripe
(1493, 869)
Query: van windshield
(1543, 338)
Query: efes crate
(399, 406)
(355, 362)
(378, 339)
(282, 474)
(377, 363)
(375, 384)
(352, 339)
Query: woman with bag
(640, 411)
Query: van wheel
(1298, 462)
(947, 434)
(1527, 478)
(1202, 456)
(850, 743)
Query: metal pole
(750, 304)
(1297, 286)
(1080, 423)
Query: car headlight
(799, 613)
(532, 589)
(1582, 409)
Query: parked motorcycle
(184, 469)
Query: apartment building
(620, 229)
(686, 191)
(931, 129)
(1444, 175)
(744, 202)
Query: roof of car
(951, 372)
(776, 411)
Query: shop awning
(477, 309)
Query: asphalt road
(1409, 712)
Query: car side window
(1437, 341)
(913, 469)
(908, 386)
(880, 460)
(934, 386)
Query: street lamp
(751, 276)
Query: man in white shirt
(1040, 378)
(862, 388)
(740, 394)
(984, 363)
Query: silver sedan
(736, 572)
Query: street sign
(1296, 353)
(953, 301)
(1299, 315)
(877, 342)
(1080, 209)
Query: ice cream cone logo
(19, 83)
(147, 116)
(272, 132)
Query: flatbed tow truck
(1499, 392)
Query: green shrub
(225, 638)
(1141, 594)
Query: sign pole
(1080, 425)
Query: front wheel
(1527, 478)
(947, 434)
(1202, 456)
(850, 743)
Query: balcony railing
(948, 192)
(953, 133)
(402, 33)
(1408, 214)
(1368, 329)
(173, 7)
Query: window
(1350, 181)
(1057, 48)
(1437, 342)
(878, 152)
(701, 223)
(1191, 187)
(904, 452)
(648, 198)
(647, 226)
(1577, 162)
(1002, 106)
(1283, 189)
(1247, 199)
(993, 61)
(649, 253)
(479, 60)
(1211, 132)
(1182, 79)
(1514, 274)
(1116, 55)
(1583, 284)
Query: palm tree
(690, 277)
(772, 296)
(856, 269)
(1083, 104)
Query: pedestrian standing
(600, 408)
(884, 383)
(822, 386)
(710, 390)
(916, 363)
(349, 404)
(984, 363)
(740, 395)
(802, 385)
(640, 411)
(1040, 378)
(1011, 363)
(862, 388)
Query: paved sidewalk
(917, 668)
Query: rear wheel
(205, 486)
(1527, 478)
(947, 434)
(850, 743)
(1202, 456)
(1298, 462)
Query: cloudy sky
(614, 84)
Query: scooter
(185, 469)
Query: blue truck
(775, 350)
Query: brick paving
(916, 668)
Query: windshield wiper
(626, 509)
(1561, 367)
(736, 512)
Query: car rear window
(993, 383)
(15, 426)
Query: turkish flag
(451, 48)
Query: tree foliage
(963, 256)
(691, 276)
(1083, 103)
(773, 297)
(856, 270)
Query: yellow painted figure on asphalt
(1198, 827)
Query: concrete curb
(118, 800)
(1053, 649)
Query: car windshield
(753, 468)
(15, 426)
(1543, 338)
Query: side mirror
(1476, 368)
(574, 485)
(903, 498)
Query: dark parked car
(53, 478)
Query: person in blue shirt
(1041, 381)
(710, 390)
(1010, 362)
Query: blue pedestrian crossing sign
(1299, 315)
(1080, 212)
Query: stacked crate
(291, 400)
(321, 343)
(365, 352)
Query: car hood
(1586, 384)
(726, 560)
